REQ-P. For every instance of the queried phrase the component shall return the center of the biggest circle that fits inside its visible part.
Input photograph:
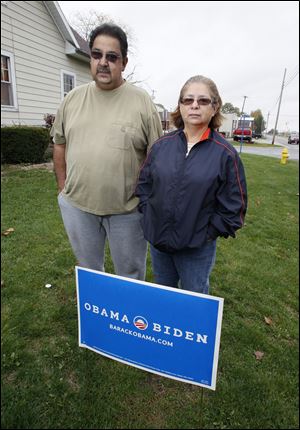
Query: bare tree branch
(85, 22)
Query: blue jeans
(192, 267)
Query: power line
(294, 73)
(291, 79)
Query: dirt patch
(10, 167)
(47, 166)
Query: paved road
(271, 151)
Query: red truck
(243, 132)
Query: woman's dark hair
(217, 119)
(111, 30)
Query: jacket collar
(206, 135)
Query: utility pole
(243, 123)
(274, 133)
(245, 97)
(267, 121)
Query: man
(102, 133)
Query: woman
(192, 190)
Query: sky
(244, 47)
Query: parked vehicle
(245, 132)
(293, 138)
(256, 135)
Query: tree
(85, 22)
(229, 108)
(259, 122)
(272, 131)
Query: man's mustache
(103, 70)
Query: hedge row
(24, 144)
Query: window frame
(62, 73)
(11, 71)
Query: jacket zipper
(176, 187)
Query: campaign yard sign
(163, 330)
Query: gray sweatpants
(88, 233)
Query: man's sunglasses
(202, 101)
(111, 57)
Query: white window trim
(9, 108)
(62, 73)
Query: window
(68, 82)
(8, 84)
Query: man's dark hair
(111, 30)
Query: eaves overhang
(72, 47)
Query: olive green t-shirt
(107, 135)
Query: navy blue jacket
(187, 200)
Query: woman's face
(196, 106)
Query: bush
(49, 119)
(23, 144)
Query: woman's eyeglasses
(111, 57)
(201, 101)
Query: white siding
(30, 34)
(228, 124)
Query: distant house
(229, 124)
(42, 59)
(164, 115)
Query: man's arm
(59, 163)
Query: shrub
(49, 119)
(23, 144)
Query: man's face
(107, 62)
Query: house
(164, 115)
(229, 124)
(42, 59)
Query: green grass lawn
(49, 382)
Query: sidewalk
(270, 151)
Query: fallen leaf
(259, 355)
(268, 320)
(8, 231)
